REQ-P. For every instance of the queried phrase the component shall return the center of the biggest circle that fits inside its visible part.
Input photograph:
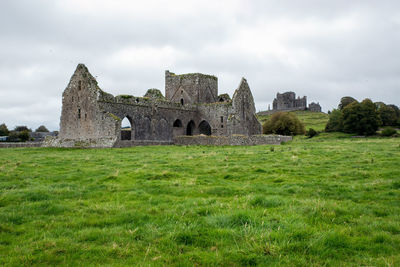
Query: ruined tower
(191, 88)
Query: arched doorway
(190, 128)
(204, 128)
(126, 129)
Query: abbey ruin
(92, 118)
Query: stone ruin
(288, 102)
(92, 118)
(314, 107)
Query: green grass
(326, 201)
(315, 120)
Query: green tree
(22, 128)
(13, 136)
(284, 123)
(388, 115)
(345, 101)
(361, 118)
(23, 135)
(4, 130)
(42, 128)
(335, 122)
(397, 110)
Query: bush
(284, 123)
(311, 133)
(389, 131)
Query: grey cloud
(41, 44)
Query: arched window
(190, 128)
(182, 101)
(204, 128)
(126, 129)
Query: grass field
(326, 201)
(315, 120)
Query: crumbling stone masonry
(92, 118)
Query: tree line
(363, 118)
(20, 133)
(351, 116)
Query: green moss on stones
(115, 117)
(190, 75)
(154, 94)
(125, 96)
(224, 98)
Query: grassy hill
(325, 201)
(315, 120)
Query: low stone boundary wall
(22, 144)
(79, 143)
(234, 140)
(130, 143)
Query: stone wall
(130, 143)
(234, 140)
(22, 144)
(79, 143)
(81, 115)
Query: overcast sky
(321, 49)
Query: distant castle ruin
(288, 101)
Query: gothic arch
(127, 129)
(190, 128)
(204, 128)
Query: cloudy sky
(323, 49)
